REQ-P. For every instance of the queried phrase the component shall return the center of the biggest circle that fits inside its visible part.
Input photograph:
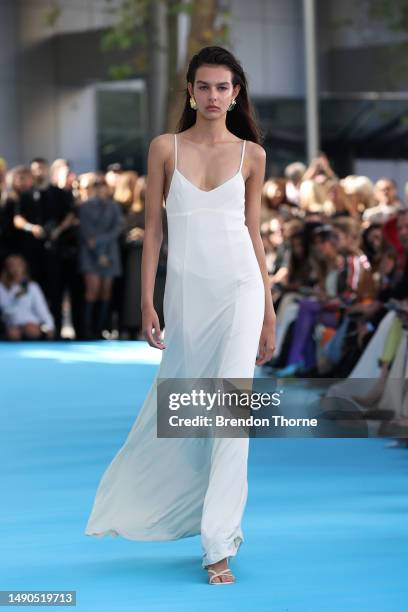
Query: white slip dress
(214, 301)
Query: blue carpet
(325, 526)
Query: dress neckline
(176, 170)
(207, 190)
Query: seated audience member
(273, 196)
(373, 244)
(272, 238)
(383, 259)
(342, 281)
(395, 288)
(23, 308)
(388, 204)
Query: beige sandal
(221, 573)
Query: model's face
(213, 88)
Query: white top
(29, 307)
(380, 213)
(331, 282)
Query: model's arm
(153, 236)
(253, 191)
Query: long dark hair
(241, 120)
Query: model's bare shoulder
(161, 145)
(256, 155)
(255, 151)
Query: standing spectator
(18, 180)
(101, 223)
(134, 234)
(46, 212)
(294, 175)
(71, 281)
(112, 175)
(127, 195)
(315, 185)
(23, 308)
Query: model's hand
(151, 328)
(266, 342)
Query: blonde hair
(87, 183)
(266, 198)
(9, 191)
(360, 185)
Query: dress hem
(226, 552)
(141, 537)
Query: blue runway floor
(325, 526)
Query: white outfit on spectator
(20, 305)
(171, 488)
(367, 369)
(381, 213)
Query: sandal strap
(221, 573)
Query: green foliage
(180, 7)
(120, 71)
(52, 14)
(394, 14)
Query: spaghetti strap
(242, 155)
(175, 151)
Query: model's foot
(219, 567)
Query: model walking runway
(164, 488)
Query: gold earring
(232, 105)
(193, 103)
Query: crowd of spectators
(336, 252)
(70, 252)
